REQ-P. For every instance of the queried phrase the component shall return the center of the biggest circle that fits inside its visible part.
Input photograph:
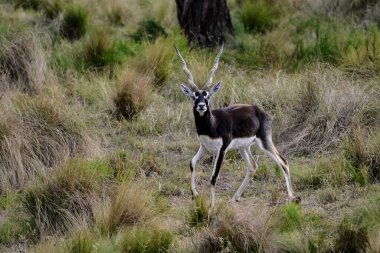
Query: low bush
(133, 94)
(22, 63)
(75, 22)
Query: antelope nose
(202, 105)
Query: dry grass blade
(22, 63)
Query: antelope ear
(215, 89)
(186, 90)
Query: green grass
(147, 240)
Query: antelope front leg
(193, 162)
(214, 177)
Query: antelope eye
(197, 93)
(204, 93)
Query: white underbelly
(241, 143)
(213, 145)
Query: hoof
(194, 195)
(235, 199)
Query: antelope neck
(203, 123)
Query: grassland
(96, 137)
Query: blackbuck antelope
(234, 127)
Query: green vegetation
(96, 138)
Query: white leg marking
(282, 166)
(197, 156)
(246, 154)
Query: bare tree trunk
(204, 22)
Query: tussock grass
(75, 22)
(23, 64)
(52, 8)
(37, 133)
(361, 152)
(63, 200)
(96, 48)
(149, 29)
(133, 94)
(198, 214)
(156, 59)
(237, 232)
(257, 16)
(145, 239)
(129, 204)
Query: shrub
(149, 29)
(36, 134)
(133, 94)
(63, 200)
(256, 15)
(75, 22)
(129, 204)
(147, 240)
(22, 63)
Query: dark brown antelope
(234, 127)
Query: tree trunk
(204, 22)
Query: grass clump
(14, 229)
(96, 48)
(133, 94)
(199, 212)
(157, 58)
(289, 218)
(149, 29)
(22, 63)
(147, 240)
(63, 200)
(37, 133)
(360, 150)
(350, 238)
(52, 8)
(81, 242)
(75, 22)
(256, 16)
(129, 204)
(236, 232)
